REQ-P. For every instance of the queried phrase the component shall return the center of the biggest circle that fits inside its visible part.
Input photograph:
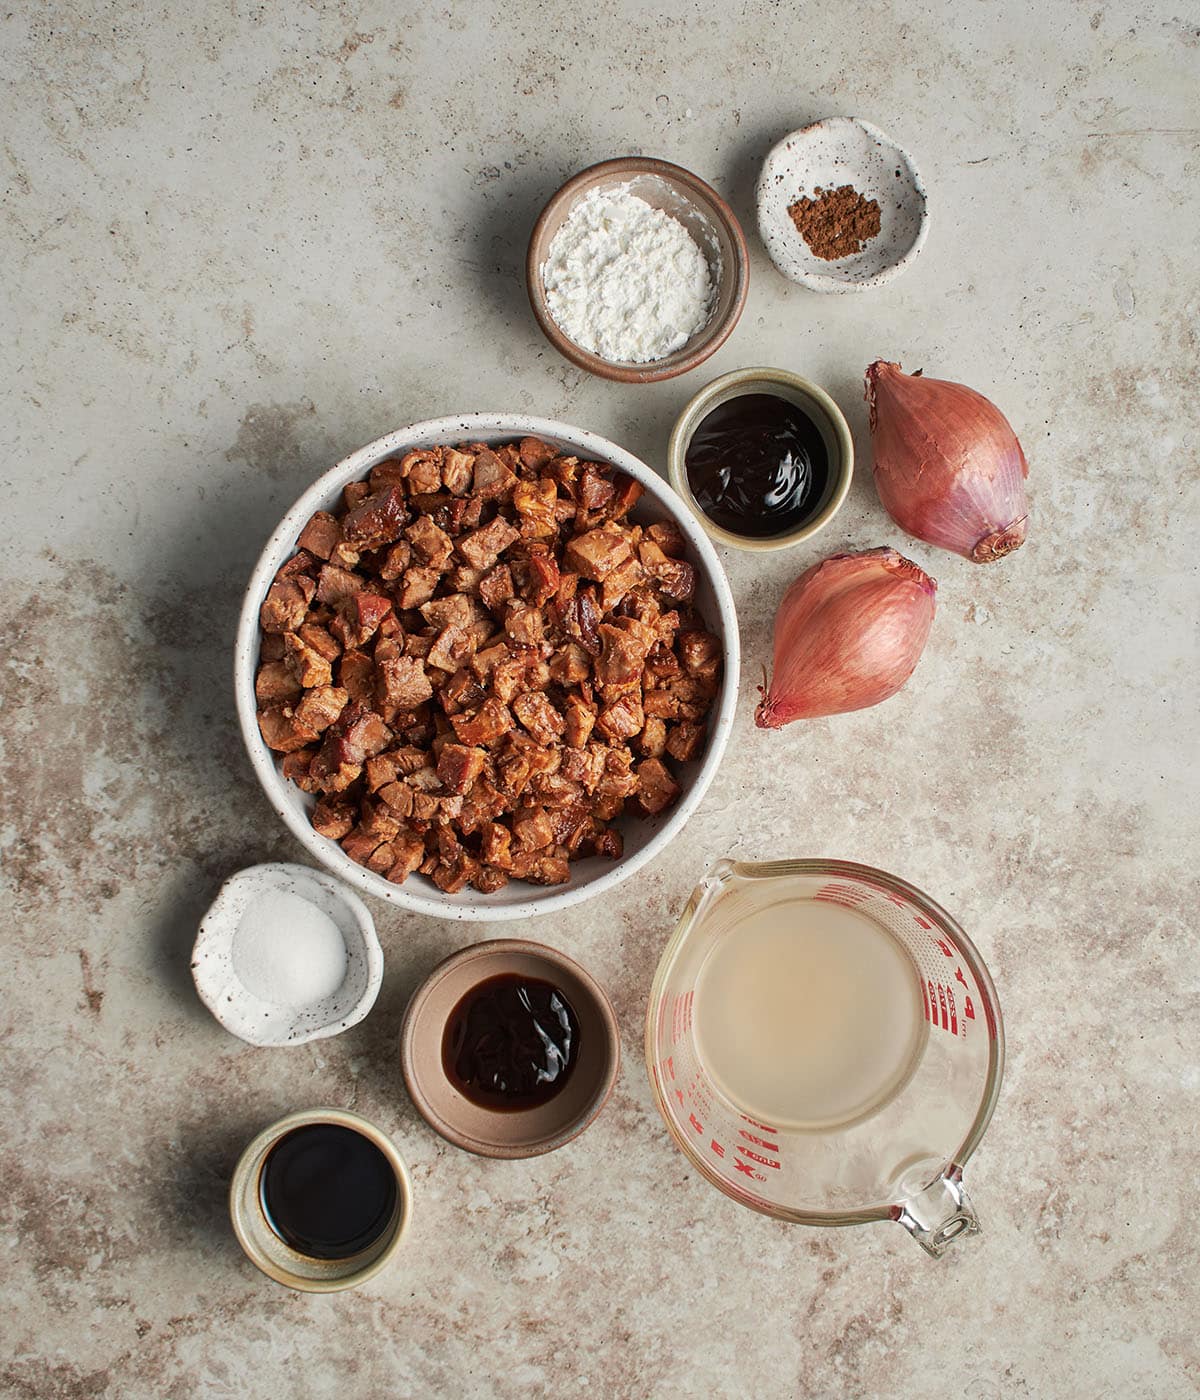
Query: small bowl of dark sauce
(509, 1048)
(763, 457)
(320, 1200)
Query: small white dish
(830, 153)
(241, 1010)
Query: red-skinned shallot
(948, 467)
(848, 634)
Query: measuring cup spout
(718, 873)
(939, 1213)
(716, 879)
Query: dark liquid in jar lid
(511, 1042)
(327, 1191)
(757, 466)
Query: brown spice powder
(836, 223)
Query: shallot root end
(767, 716)
(1002, 542)
(764, 712)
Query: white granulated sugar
(287, 952)
(625, 280)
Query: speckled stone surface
(239, 241)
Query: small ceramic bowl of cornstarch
(637, 270)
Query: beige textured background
(240, 240)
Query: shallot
(848, 634)
(948, 467)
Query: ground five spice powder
(836, 223)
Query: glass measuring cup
(902, 1158)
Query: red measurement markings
(747, 1170)
(744, 1167)
(687, 1080)
(764, 1127)
(890, 895)
(681, 1016)
(832, 899)
(845, 895)
(695, 1122)
(941, 1006)
(759, 1158)
(758, 1142)
(716, 1148)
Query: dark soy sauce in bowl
(327, 1191)
(510, 1042)
(758, 466)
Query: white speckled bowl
(833, 152)
(262, 1023)
(644, 837)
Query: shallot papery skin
(948, 467)
(848, 634)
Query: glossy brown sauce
(757, 466)
(511, 1042)
(327, 1191)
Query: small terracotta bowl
(807, 396)
(524, 1132)
(705, 215)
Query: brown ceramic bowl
(517, 1132)
(705, 215)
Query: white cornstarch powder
(288, 952)
(625, 280)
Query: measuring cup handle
(939, 1214)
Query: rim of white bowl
(469, 427)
